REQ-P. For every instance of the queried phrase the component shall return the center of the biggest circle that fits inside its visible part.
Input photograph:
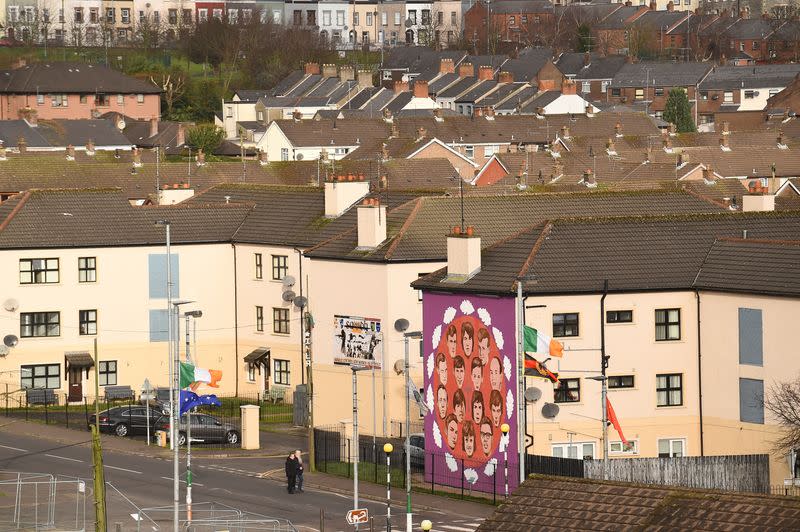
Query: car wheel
(121, 430)
(232, 437)
(181, 439)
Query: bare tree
(172, 85)
(148, 31)
(783, 401)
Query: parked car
(126, 420)
(417, 442)
(205, 428)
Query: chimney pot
(400, 86)
(485, 73)
(463, 255)
(466, 70)
(420, 89)
(446, 66)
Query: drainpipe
(235, 317)
(699, 371)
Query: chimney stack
(463, 255)
(262, 158)
(329, 70)
(587, 59)
(667, 143)
(400, 86)
(70, 152)
(437, 114)
(201, 157)
(420, 89)
(346, 73)
(653, 5)
(312, 68)
(505, 77)
(758, 198)
(90, 147)
(618, 129)
(781, 140)
(589, 180)
(421, 133)
(153, 127)
(446, 66)
(611, 149)
(568, 87)
(137, 157)
(724, 144)
(589, 110)
(466, 70)
(565, 132)
(708, 175)
(485, 73)
(22, 145)
(342, 193)
(488, 112)
(364, 79)
(726, 127)
(180, 135)
(371, 224)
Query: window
(78, 17)
(751, 333)
(668, 324)
(120, 99)
(187, 16)
(658, 91)
(620, 381)
(356, 20)
(83, 99)
(38, 271)
(280, 320)
(87, 269)
(469, 151)
(326, 18)
(669, 389)
(87, 322)
(453, 20)
(251, 373)
(604, 87)
(412, 16)
(280, 267)
(297, 17)
(426, 17)
(616, 92)
(216, 13)
(172, 16)
(202, 15)
(101, 99)
(727, 97)
(586, 87)
(40, 99)
(384, 19)
(565, 324)
(340, 18)
(59, 100)
(260, 319)
(107, 369)
(751, 401)
(125, 15)
(490, 150)
(617, 447)
(523, 19)
(512, 20)
(40, 376)
(756, 45)
(749, 95)
(397, 19)
(583, 451)
(39, 324)
(259, 267)
(281, 372)
(284, 154)
(122, 34)
(568, 391)
(670, 448)
(619, 316)
(704, 95)
(140, 98)
(233, 16)
(639, 94)
(369, 19)
(142, 18)
(111, 15)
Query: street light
(355, 370)
(426, 525)
(603, 395)
(190, 314)
(175, 399)
(401, 326)
(504, 428)
(388, 448)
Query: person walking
(291, 472)
(299, 456)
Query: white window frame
(617, 447)
(565, 449)
(671, 443)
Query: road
(146, 481)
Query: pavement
(251, 481)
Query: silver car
(205, 428)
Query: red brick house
(510, 21)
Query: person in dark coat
(291, 472)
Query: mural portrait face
(441, 368)
(469, 438)
(486, 436)
(467, 338)
(477, 407)
(495, 374)
(496, 407)
(441, 401)
(452, 431)
(483, 346)
(459, 405)
(452, 340)
(477, 374)
(459, 370)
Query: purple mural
(470, 389)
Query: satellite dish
(401, 325)
(4, 350)
(408, 23)
(532, 394)
(10, 340)
(298, 157)
(289, 296)
(398, 367)
(121, 125)
(300, 302)
(550, 410)
(11, 304)
(288, 281)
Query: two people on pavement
(294, 472)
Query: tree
(678, 111)
(172, 85)
(206, 137)
(783, 401)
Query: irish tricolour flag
(536, 342)
(194, 375)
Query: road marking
(458, 528)
(63, 458)
(14, 448)
(123, 469)
(193, 483)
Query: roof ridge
(535, 249)
(15, 210)
(404, 228)
(738, 240)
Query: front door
(75, 384)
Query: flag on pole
(191, 374)
(534, 368)
(537, 342)
(414, 395)
(612, 418)
(191, 400)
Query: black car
(205, 428)
(126, 420)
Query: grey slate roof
(60, 133)
(521, 6)
(661, 74)
(66, 77)
(572, 64)
(751, 28)
(442, 82)
(518, 99)
(458, 88)
(477, 91)
(502, 92)
(544, 99)
(749, 77)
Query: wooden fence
(748, 473)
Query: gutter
(699, 371)
(235, 316)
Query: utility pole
(97, 454)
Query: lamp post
(191, 314)
(504, 428)
(355, 370)
(603, 395)
(388, 448)
(426, 525)
(175, 400)
(401, 326)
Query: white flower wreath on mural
(452, 464)
(437, 435)
(429, 365)
(449, 315)
(490, 468)
(471, 475)
(498, 338)
(509, 403)
(507, 367)
(429, 398)
(466, 307)
(485, 317)
(437, 335)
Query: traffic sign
(357, 516)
